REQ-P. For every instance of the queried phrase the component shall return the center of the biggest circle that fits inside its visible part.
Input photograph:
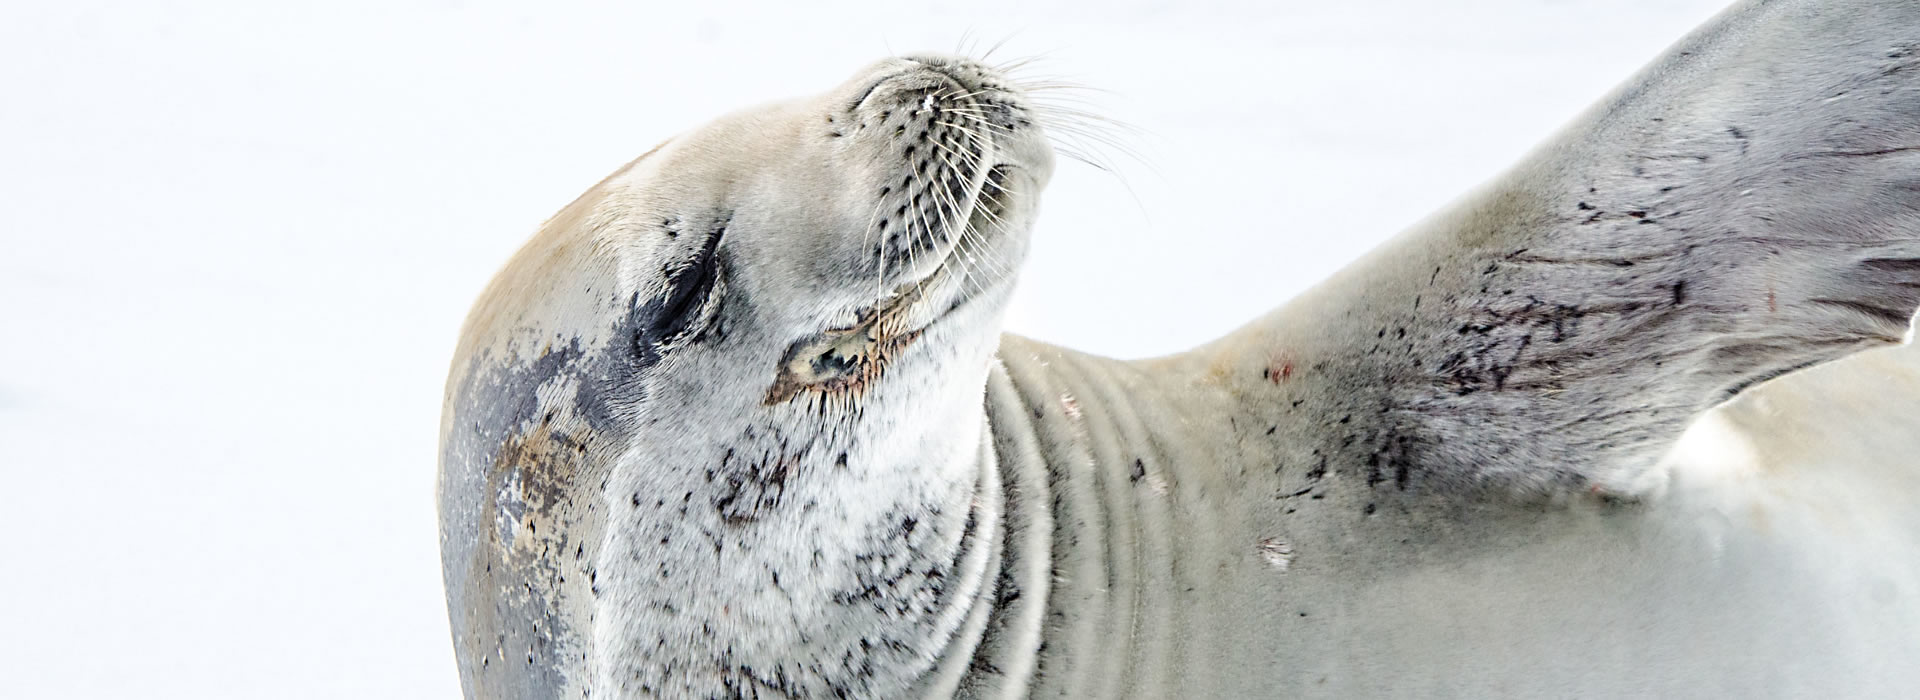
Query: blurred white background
(239, 239)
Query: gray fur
(1437, 474)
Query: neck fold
(1106, 467)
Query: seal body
(1438, 474)
(738, 423)
(1197, 558)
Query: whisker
(971, 235)
(996, 47)
(879, 255)
(969, 267)
(1022, 63)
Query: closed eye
(684, 309)
(686, 289)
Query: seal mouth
(842, 362)
(838, 364)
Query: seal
(738, 423)
(716, 430)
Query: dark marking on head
(508, 471)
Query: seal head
(706, 363)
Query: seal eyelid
(689, 289)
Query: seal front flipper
(1747, 206)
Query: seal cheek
(532, 476)
(524, 441)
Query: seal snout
(932, 81)
(940, 138)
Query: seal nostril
(964, 74)
(857, 102)
(873, 87)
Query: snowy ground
(239, 239)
